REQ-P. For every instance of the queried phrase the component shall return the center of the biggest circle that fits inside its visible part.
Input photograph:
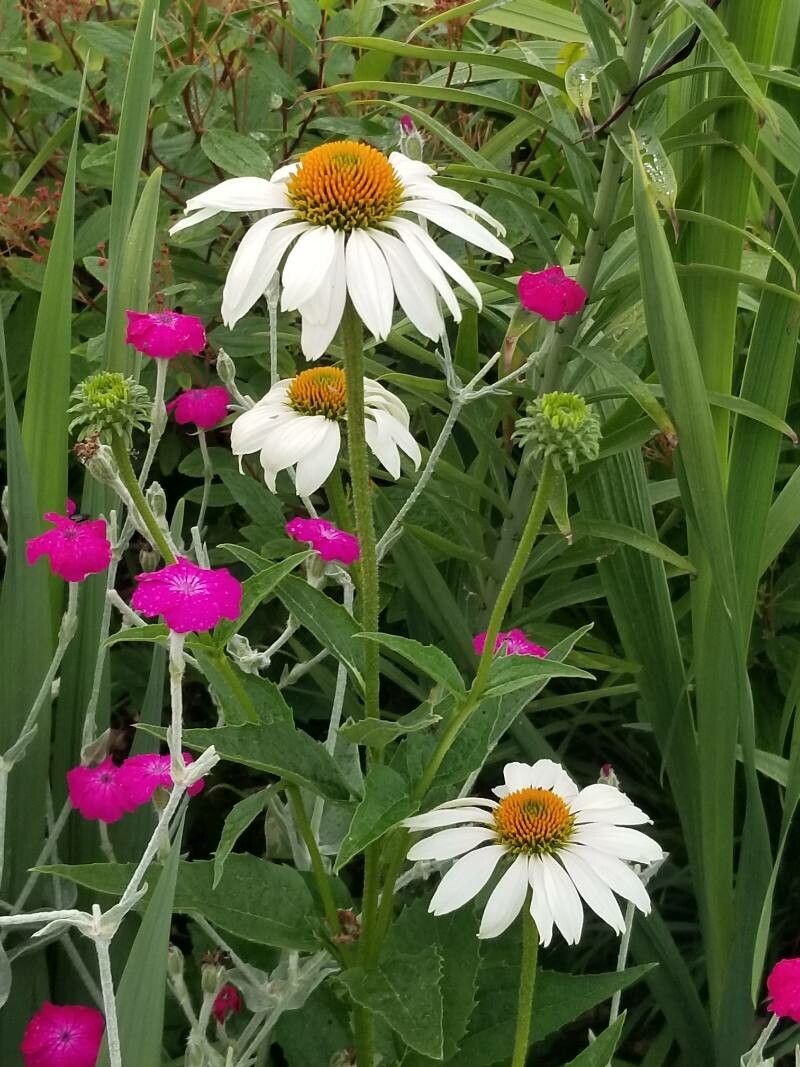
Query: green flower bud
(156, 500)
(226, 368)
(560, 427)
(212, 978)
(109, 403)
(174, 962)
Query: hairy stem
(120, 449)
(527, 984)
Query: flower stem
(317, 867)
(177, 666)
(208, 474)
(527, 983)
(119, 447)
(109, 1002)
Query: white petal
(314, 468)
(562, 899)
(616, 874)
(383, 447)
(411, 233)
(369, 283)
(506, 900)
(629, 815)
(306, 266)
(321, 317)
(619, 841)
(389, 427)
(449, 843)
(540, 909)
(462, 802)
(604, 803)
(193, 219)
(295, 440)
(249, 429)
(410, 169)
(517, 776)
(455, 221)
(465, 879)
(282, 173)
(593, 890)
(415, 293)
(241, 194)
(254, 264)
(546, 774)
(431, 820)
(377, 397)
(432, 191)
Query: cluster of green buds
(560, 427)
(108, 403)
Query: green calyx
(560, 427)
(109, 403)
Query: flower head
(108, 402)
(99, 792)
(344, 220)
(203, 407)
(551, 294)
(63, 1035)
(227, 1002)
(298, 424)
(569, 846)
(561, 427)
(512, 642)
(190, 598)
(76, 548)
(140, 776)
(165, 334)
(327, 540)
(783, 986)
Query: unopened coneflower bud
(412, 143)
(560, 427)
(109, 403)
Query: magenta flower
(99, 792)
(783, 986)
(141, 776)
(165, 334)
(76, 548)
(227, 1002)
(189, 597)
(327, 540)
(551, 294)
(514, 643)
(203, 407)
(63, 1035)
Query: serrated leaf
(238, 819)
(254, 591)
(599, 1053)
(404, 990)
(510, 673)
(328, 621)
(386, 802)
(235, 153)
(427, 658)
(378, 733)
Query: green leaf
(152, 631)
(235, 153)
(404, 990)
(632, 384)
(328, 621)
(378, 733)
(627, 535)
(510, 673)
(386, 802)
(427, 658)
(599, 1053)
(238, 819)
(235, 690)
(254, 591)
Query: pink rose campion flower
(513, 642)
(327, 540)
(165, 334)
(205, 408)
(99, 792)
(783, 986)
(227, 1002)
(63, 1035)
(141, 776)
(76, 548)
(190, 598)
(551, 294)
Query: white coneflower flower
(348, 217)
(567, 845)
(299, 424)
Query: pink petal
(66, 1035)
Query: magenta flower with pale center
(165, 334)
(551, 294)
(63, 1035)
(513, 643)
(327, 540)
(203, 407)
(140, 776)
(783, 986)
(190, 598)
(227, 1002)
(76, 548)
(99, 792)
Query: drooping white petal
(296, 438)
(248, 430)
(616, 874)
(241, 194)
(193, 219)
(412, 233)
(462, 225)
(449, 843)
(465, 879)
(315, 466)
(429, 267)
(389, 426)
(619, 841)
(283, 173)
(517, 776)
(369, 283)
(383, 446)
(629, 815)
(461, 802)
(378, 398)
(306, 266)
(321, 317)
(410, 169)
(593, 890)
(431, 820)
(604, 803)
(433, 191)
(506, 900)
(540, 908)
(254, 263)
(415, 294)
(547, 774)
(562, 899)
